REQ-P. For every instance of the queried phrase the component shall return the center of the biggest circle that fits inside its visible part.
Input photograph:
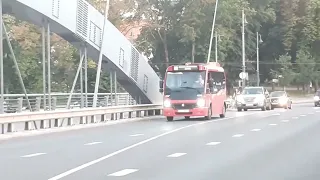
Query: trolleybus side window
(218, 80)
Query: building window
(145, 84)
(121, 57)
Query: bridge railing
(27, 121)
(17, 103)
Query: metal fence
(15, 103)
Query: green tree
(285, 73)
(305, 68)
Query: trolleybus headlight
(201, 102)
(167, 103)
(316, 98)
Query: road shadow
(194, 119)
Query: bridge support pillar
(10, 127)
(42, 124)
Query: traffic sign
(243, 75)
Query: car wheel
(239, 109)
(264, 108)
(268, 108)
(187, 117)
(245, 109)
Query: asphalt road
(278, 145)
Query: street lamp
(244, 22)
(218, 39)
(259, 40)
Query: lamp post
(259, 40)
(244, 22)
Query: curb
(302, 101)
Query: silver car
(253, 98)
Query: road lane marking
(272, 124)
(135, 135)
(177, 155)
(277, 114)
(310, 113)
(238, 135)
(123, 172)
(33, 155)
(213, 143)
(285, 121)
(90, 163)
(92, 143)
(255, 130)
(295, 117)
(302, 115)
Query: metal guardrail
(82, 116)
(16, 103)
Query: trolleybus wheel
(169, 118)
(223, 115)
(209, 117)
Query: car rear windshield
(277, 94)
(247, 91)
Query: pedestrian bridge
(80, 23)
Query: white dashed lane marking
(277, 114)
(176, 155)
(255, 130)
(272, 124)
(135, 135)
(285, 121)
(33, 155)
(95, 161)
(302, 115)
(123, 172)
(238, 135)
(92, 143)
(295, 117)
(213, 143)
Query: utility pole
(217, 36)
(216, 48)
(1, 63)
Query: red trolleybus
(193, 90)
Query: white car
(253, 98)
